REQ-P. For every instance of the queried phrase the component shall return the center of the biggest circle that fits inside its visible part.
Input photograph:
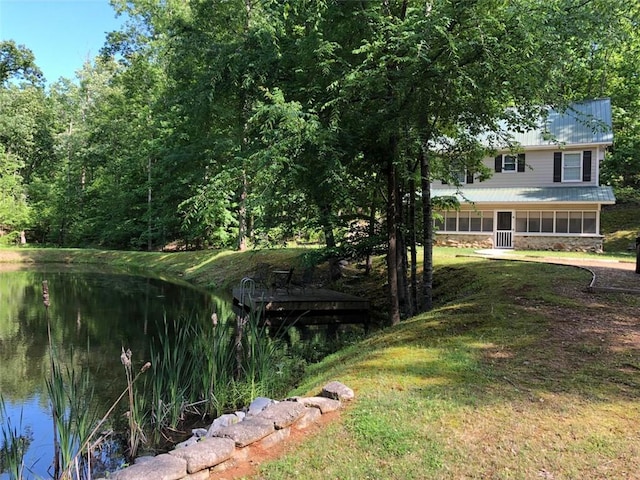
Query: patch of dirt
(601, 335)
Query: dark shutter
(498, 163)
(586, 166)
(521, 162)
(469, 177)
(557, 166)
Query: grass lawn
(516, 374)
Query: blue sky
(62, 34)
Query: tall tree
(18, 62)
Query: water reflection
(92, 314)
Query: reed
(71, 397)
(173, 370)
(260, 350)
(134, 414)
(13, 444)
(218, 385)
(194, 362)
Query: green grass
(517, 373)
(620, 225)
(485, 386)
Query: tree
(17, 61)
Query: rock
(248, 431)
(221, 422)
(259, 404)
(162, 467)
(283, 414)
(199, 432)
(188, 442)
(311, 415)
(338, 391)
(325, 404)
(206, 453)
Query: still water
(92, 315)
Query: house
(545, 195)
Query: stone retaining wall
(464, 241)
(523, 242)
(230, 445)
(558, 244)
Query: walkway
(608, 275)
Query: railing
(504, 239)
(247, 288)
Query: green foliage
(14, 442)
(74, 413)
(198, 368)
(17, 61)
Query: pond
(93, 315)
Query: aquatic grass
(216, 345)
(14, 443)
(171, 371)
(71, 397)
(134, 414)
(205, 367)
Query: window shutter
(521, 162)
(586, 166)
(557, 167)
(469, 177)
(498, 164)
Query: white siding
(538, 172)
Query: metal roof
(585, 122)
(590, 194)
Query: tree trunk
(413, 302)
(371, 233)
(401, 252)
(427, 231)
(149, 223)
(330, 240)
(242, 214)
(392, 232)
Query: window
(562, 222)
(589, 222)
(469, 221)
(572, 167)
(458, 177)
(521, 221)
(510, 163)
(556, 222)
(476, 221)
(547, 222)
(575, 222)
(528, 222)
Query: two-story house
(547, 196)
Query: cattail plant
(54, 407)
(136, 434)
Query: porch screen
(473, 221)
(574, 222)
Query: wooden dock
(312, 306)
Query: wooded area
(225, 123)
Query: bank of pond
(119, 364)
